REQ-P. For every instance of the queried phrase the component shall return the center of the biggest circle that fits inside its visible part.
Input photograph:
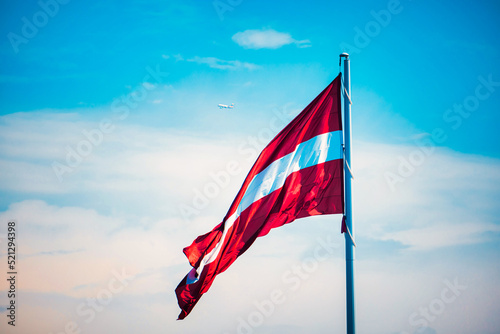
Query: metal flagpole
(349, 236)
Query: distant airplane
(231, 106)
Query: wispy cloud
(443, 235)
(222, 64)
(177, 57)
(74, 249)
(55, 236)
(267, 39)
(152, 163)
(439, 205)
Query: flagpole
(349, 236)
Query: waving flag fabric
(298, 174)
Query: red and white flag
(299, 174)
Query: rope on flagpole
(347, 94)
(350, 235)
(345, 91)
(348, 167)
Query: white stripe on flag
(317, 150)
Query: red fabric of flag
(298, 174)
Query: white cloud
(217, 63)
(70, 251)
(149, 167)
(140, 166)
(178, 57)
(148, 85)
(223, 64)
(447, 200)
(267, 39)
(443, 235)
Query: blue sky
(110, 135)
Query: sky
(114, 157)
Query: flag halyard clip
(350, 236)
(345, 228)
(345, 92)
(347, 164)
(349, 169)
(347, 95)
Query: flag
(298, 174)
